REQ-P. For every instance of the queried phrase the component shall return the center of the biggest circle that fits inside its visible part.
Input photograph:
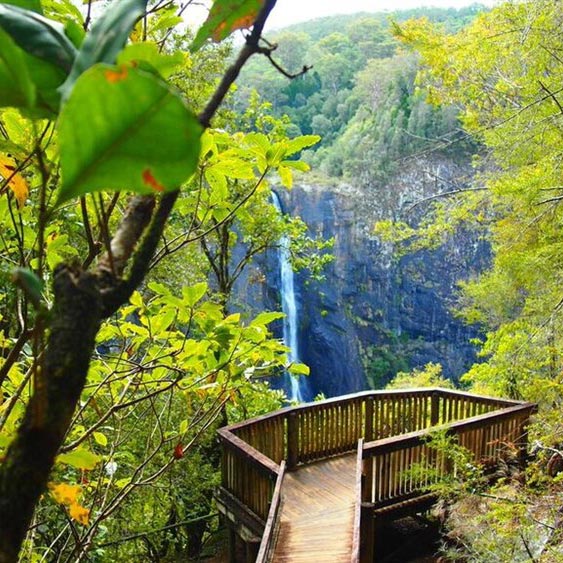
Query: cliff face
(374, 315)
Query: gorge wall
(374, 314)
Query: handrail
(270, 531)
(389, 461)
(355, 556)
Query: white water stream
(289, 308)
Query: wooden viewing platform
(310, 483)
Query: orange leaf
(16, 182)
(79, 513)
(64, 493)
(240, 23)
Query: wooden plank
(317, 516)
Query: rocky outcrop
(374, 314)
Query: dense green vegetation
(360, 94)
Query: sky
(287, 12)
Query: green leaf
(100, 438)
(267, 317)
(80, 458)
(285, 176)
(106, 39)
(226, 16)
(143, 137)
(299, 369)
(33, 5)
(296, 165)
(192, 294)
(38, 36)
(16, 87)
(147, 52)
(300, 143)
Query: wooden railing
(401, 467)
(270, 531)
(247, 474)
(395, 426)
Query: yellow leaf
(64, 493)
(79, 513)
(15, 180)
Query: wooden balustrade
(247, 474)
(270, 531)
(400, 467)
(395, 425)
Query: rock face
(374, 314)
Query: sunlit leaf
(267, 317)
(16, 182)
(192, 294)
(299, 369)
(146, 140)
(226, 16)
(146, 52)
(80, 458)
(300, 143)
(100, 438)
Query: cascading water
(296, 387)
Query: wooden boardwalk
(293, 491)
(317, 515)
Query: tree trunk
(23, 476)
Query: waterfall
(295, 386)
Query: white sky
(287, 12)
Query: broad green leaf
(16, 88)
(299, 369)
(106, 39)
(80, 458)
(296, 165)
(143, 139)
(192, 294)
(226, 16)
(147, 52)
(267, 317)
(38, 36)
(300, 143)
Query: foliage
(429, 376)
(119, 353)
(360, 95)
(503, 73)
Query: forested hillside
(359, 94)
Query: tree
(62, 77)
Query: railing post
(367, 534)
(292, 441)
(369, 420)
(434, 408)
(523, 440)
